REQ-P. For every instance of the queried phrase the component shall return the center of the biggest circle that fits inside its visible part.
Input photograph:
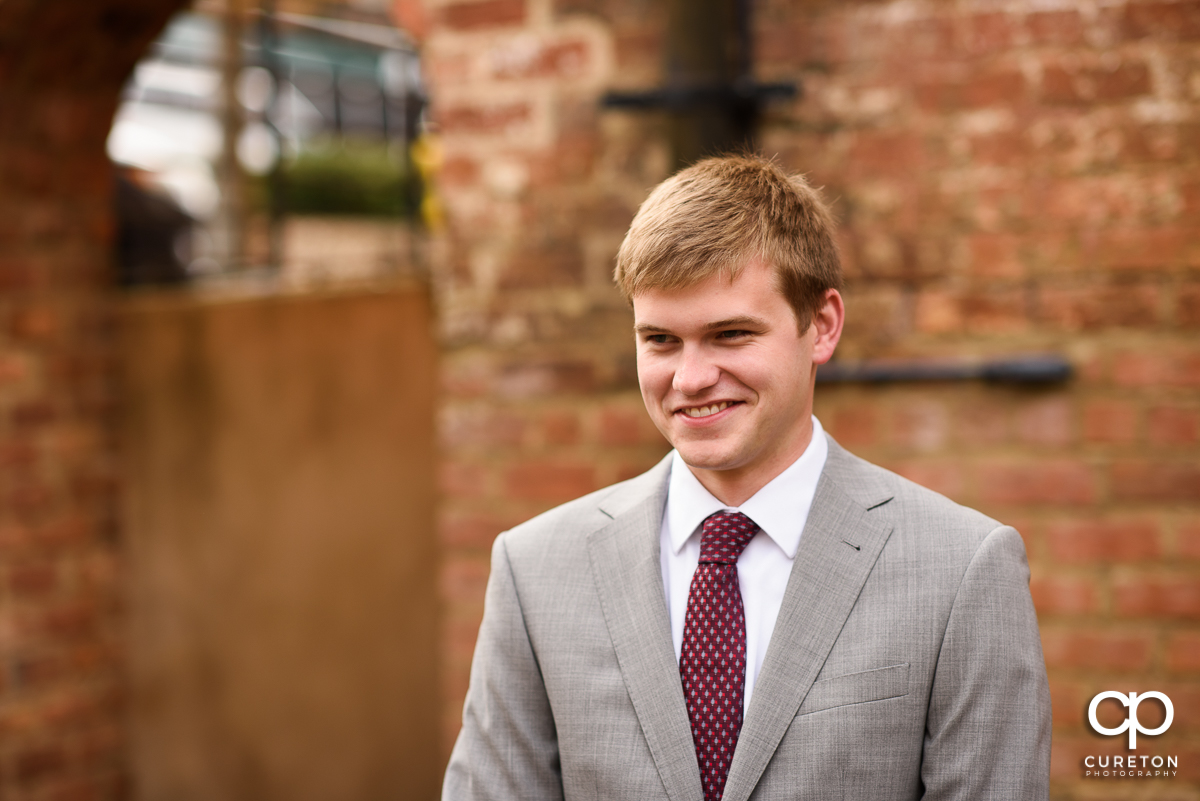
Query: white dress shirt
(780, 509)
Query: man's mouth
(706, 411)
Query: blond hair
(716, 216)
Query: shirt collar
(780, 508)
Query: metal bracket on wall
(711, 99)
(682, 98)
(1040, 369)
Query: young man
(762, 613)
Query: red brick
(1064, 595)
(1008, 148)
(988, 33)
(459, 171)
(1067, 698)
(464, 579)
(1163, 20)
(1173, 425)
(550, 480)
(998, 88)
(939, 95)
(1140, 248)
(535, 378)
(1055, 27)
(854, 425)
(1049, 422)
(476, 427)
(1187, 540)
(32, 580)
(459, 634)
(996, 256)
(1077, 308)
(35, 323)
(920, 426)
(1069, 84)
(1164, 143)
(1050, 481)
(1187, 306)
(626, 425)
(562, 60)
(1097, 649)
(1059, 87)
(36, 672)
(1183, 652)
(14, 368)
(560, 428)
(996, 312)
(927, 37)
(65, 620)
(483, 14)
(544, 263)
(1123, 82)
(627, 470)
(946, 477)
(1156, 367)
(483, 119)
(979, 422)
(1110, 421)
(1154, 595)
(1140, 480)
(1185, 696)
(34, 414)
(31, 501)
(1104, 540)
(939, 312)
(473, 530)
(36, 765)
(880, 154)
(462, 480)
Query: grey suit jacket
(905, 661)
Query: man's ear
(827, 323)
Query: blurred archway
(70, 566)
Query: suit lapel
(628, 573)
(840, 544)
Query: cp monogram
(1131, 722)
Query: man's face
(727, 377)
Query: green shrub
(352, 178)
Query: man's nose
(695, 372)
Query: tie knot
(723, 537)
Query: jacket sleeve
(507, 748)
(987, 733)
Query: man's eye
(735, 334)
(658, 339)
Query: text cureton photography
(1135, 766)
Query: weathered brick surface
(61, 705)
(1009, 179)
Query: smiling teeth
(705, 411)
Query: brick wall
(61, 67)
(1024, 179)
(540, 400)
(1010, 178)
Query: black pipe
(1037, 369)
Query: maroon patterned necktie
(712, 661)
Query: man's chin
(700, 459)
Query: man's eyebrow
(646, 328)
(732, 322)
